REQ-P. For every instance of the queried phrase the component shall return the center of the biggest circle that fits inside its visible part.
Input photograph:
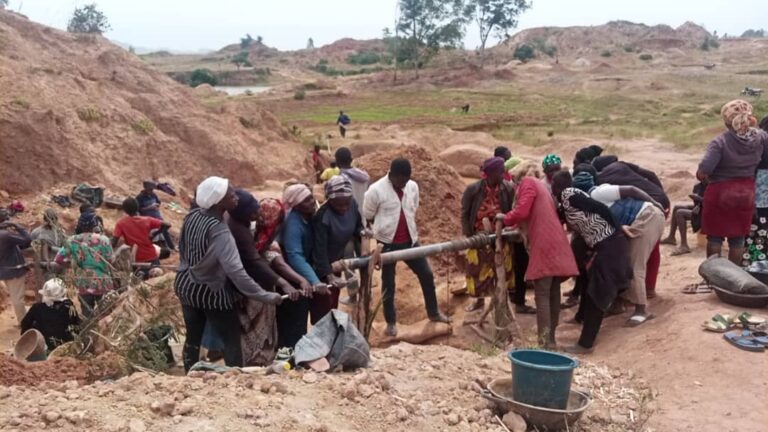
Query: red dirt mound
(77, 108)
(440, 191)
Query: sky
(191, 25)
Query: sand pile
(408, 388)
(440, 191)
(60, 369)
(80, 109)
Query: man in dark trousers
(343, 121)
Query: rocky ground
(407, 387)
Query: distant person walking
(390, 205)
(343, 121)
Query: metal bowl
(743, 300)
(499, 391)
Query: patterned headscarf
(494, 166)
(271, 214)
(551, 159)
(295, 194)
(737, 115)
(52, 219)
(338, 186)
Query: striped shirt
(193, 247)
(592, 227)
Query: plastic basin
(541, 378)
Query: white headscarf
(53, 291)
(211, 191)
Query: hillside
(613, 36)
(80, 109)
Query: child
(334, 170)
(681, 214)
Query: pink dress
(548, 247)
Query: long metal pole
(426, 250)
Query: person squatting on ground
(54, 316)
(728, 167)
(390, 205)
(551, 260)
(136, 232)
(209, 257)
(681, 213)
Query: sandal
(697, 288)
(760, 337)
(719, 323)
(743, 339)
(636, 320)
(749, 320)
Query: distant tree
(524, 53)
(427, 26)
(494, 17)
(132, 50)
(246, 41)
(241, 59)
(259, 39)
(310, 44)
(88, 19)
(202, 76)
(754, 33)
(3, 4)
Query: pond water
(238, 90)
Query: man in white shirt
(391, 204)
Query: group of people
(278, 255)
(253, 272)
(615, 213)
(89, 252)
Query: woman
(728, 166)
(50, 234)
(551, 260)
(610, 271)
(258, 331)
(550, 165)
(757, 243)
(208, 255)
(485, 199)
(336, 224)
(642, 220)
(291, 316)
(54, 316)
(298, 241)
(90, 253)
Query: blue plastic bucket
(541, 378)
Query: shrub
(605, 53)
(645, 57)
(143, 126)
(247, 123)
(89, 114)
(709, 43)
(629, 48)
(523, 53)
(200, 76)
(311, 86)
(300, 94)
(88, 19)
(364, 58)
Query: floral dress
(90, 254)
(757, 242)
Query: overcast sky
(191, 25)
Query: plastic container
(541, 378)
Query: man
(13, 238)
(343, 121)
(359, 180)
(136, 230)
(149, 205)
(390, 205)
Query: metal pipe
(427, 250)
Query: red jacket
(535, 214)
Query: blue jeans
(420, 267)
